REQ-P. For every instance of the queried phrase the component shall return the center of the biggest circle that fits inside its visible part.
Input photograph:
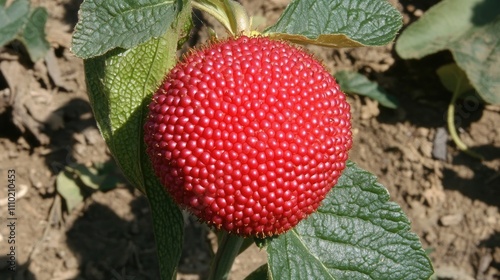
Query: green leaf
(168, 225)
(454, 79)
(101, 177)
(443, 24)
(16, 21)
(353, 82)
(108, 24)
(338, 23)
(478, 53)
(69, 189)
(120, 85)
(469, 29)
(89, 176)
(12, 19)
(33, 36)
(356, 234)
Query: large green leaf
(120, 84)
(338, 23)
(469, 29)
(108, 24)
(356, 234)
(12, 19)
(443, 24)
(478, 54)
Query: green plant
(469, 30)
(19, 22)
(356, 83)
(356, 233)
(77, 179)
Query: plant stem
(238, 16)
(231, 14)
(229, 247)
(453, 131)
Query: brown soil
(46, 124)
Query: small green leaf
(113, 175)
(355, 234)
(110, 182)
(454, 79)
(338, 23)
(108, 24)
(353, 82)
(89, 176)
(68, 188)
(12, 19)
(33, 35)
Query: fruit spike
(249, 134)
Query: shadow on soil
(71, 12)
(110, 247)
(484, 185)
(61, 140)
(492, 242)
(106, 245)
(21, 271)
(423, 99)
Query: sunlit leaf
(338, 23)
(107, 24)
(69, 189)
(469, 29)
(357, 233)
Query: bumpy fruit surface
(249, 134)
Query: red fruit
(249, 134)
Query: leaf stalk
(231, 14)
(453, 130)
(229, 248)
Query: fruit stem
(238, 16)
(229, 247)
(231, 14)
(453, 131)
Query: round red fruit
(249, 134)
